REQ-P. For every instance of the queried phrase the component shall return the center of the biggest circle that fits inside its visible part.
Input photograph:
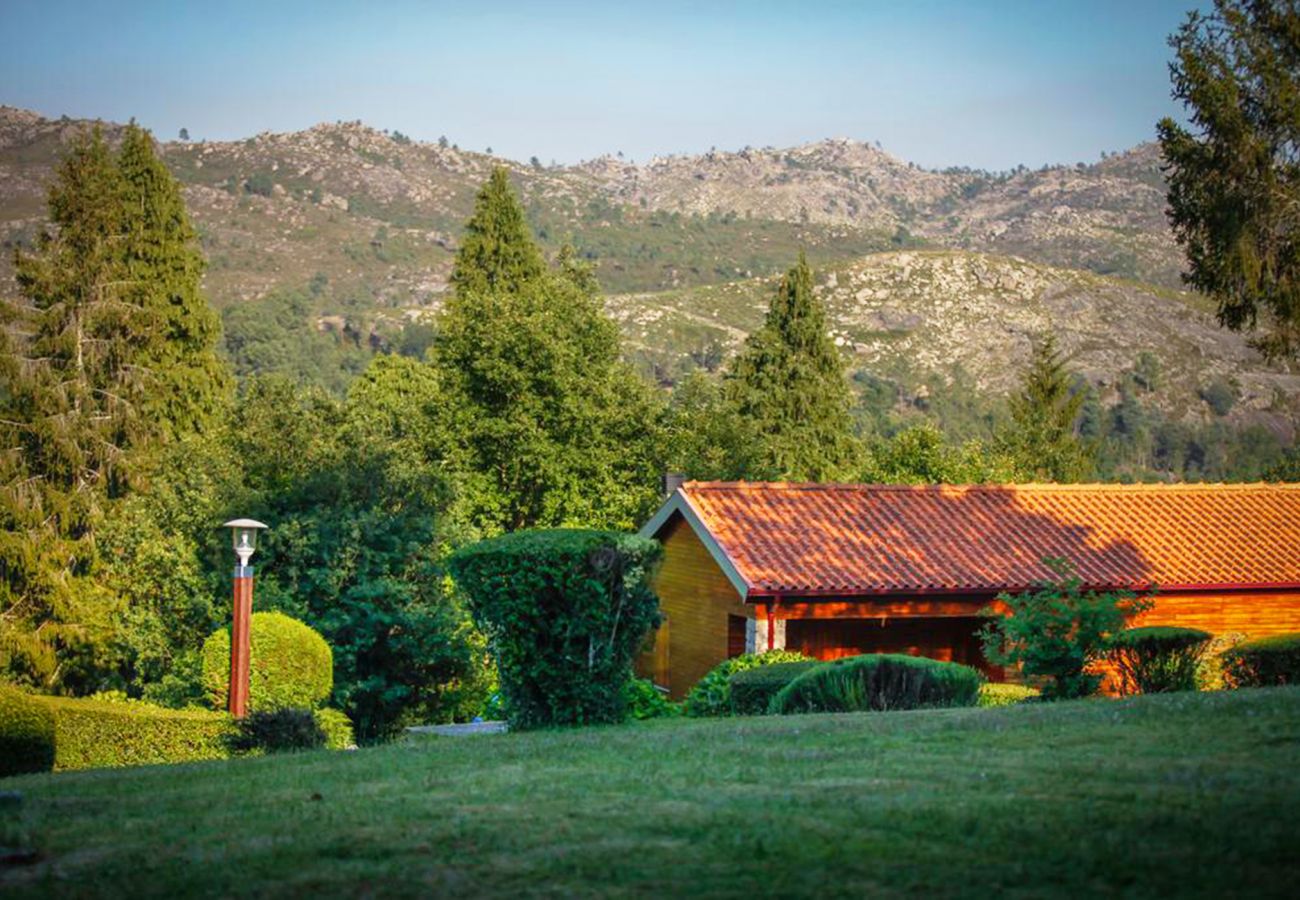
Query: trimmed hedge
(995, 694)
(26, 733)
(752, 690)
(1263, 662)
(711, 695)
(565, 612)
(92, 734)
(1157, 659)
(879, 682)
(291, 666)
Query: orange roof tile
(784, 538)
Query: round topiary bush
(879, 682)
(1263, 662)
(1157, 659)
(752, 690)
(711, 695)
(291, 665)
(26, 734)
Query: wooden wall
(697, 598)
(950, 639)
(1249, 613)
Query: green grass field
(1183, 794)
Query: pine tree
(497, 252)
(544, 424)
(788, 387)
(1042, 437)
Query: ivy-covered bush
(879, 682)
(565, 612)
(93, 734)
(1263, 662)
(291, 666)
(645, 701)
(277, 731)
(26, 733)
(711, 695)
(1156, 659)
(995, 694)
(752, 690)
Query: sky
(989, 84)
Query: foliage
(1221, 395)
(565, 612)
(645, 701)
(94, 734)
(337, 728)
(1041, 436)
(277, 731)
(497, 252)
(1158, 658)
(711, 695)
(1209, 674)
(752, 690)
(704, 436)
(919, 455)
(1002, 694)
(1234, 174)
(788, 386)
(1058, 631)
(108, 354)
(1263, 662)
(26, 733)
(879, 682)
(290, 666)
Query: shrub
(879, 682)
(992, 694)
(1263, 662)
(1059, 631)
(711, 695)
(337, 728)
(26, 734)
(645, 701)
(291, 665)
(1209, 674)
(90, 734)
(1156, 659)
(565, 611)
(752, 690)
(276, 731)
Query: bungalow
(840, 569)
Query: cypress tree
(497, 251)
(1042, 437)
(788, 387)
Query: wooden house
(840, 569)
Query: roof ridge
(1039, 486)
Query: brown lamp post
(244, 537)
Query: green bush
(26, 734)
(1209, 674)
(993, 694)
(92, 734)
(879, 682)
(752, 690)
(337, 728)
(277, 731)
(1156, 659)
(291, 665)
(565, 611)
(711, 695)
(1263, 662)
(645, 701)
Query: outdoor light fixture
(243, 536)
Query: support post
(240, 644)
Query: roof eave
(681, 504)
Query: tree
(1041, 437)
(789, 388)
(1234, 176)
(919, 455)
(497, 252)
(184, 134)
(704, 437)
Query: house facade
(836, 570)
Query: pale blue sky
(940, 82)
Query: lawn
(1180, 794)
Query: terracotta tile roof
(850, 539)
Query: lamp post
(243, 534)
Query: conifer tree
(1042, 437)
(497, 252)
(788, 387)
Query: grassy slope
(1194, 794)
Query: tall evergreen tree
(789, 388)
(1042, 437)
(544, 424)
(497, 251)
